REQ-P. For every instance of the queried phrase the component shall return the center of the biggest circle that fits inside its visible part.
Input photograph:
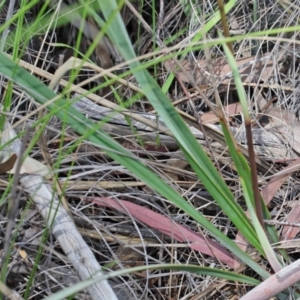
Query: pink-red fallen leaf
(289, 232)
(269, 192)
(230, 110)
(233, 109)
(168, 227)
(209, 118)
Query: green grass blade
(231, 276)
(90, 131)
(244, 169)
(194, 153)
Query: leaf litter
(272, 73)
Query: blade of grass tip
(270, 254)
(89, 130)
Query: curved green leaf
(63, 294)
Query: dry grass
(118, 240)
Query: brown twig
(224, 23)
(256, 193)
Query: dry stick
(216, 135)
(43, 144)
(73, 63)
(61, 225)
(256, 193)
(276, 283)
(8, 293)
(9, 14)
(160, 18)
(283, 223)
(13, 205)
(224, 23)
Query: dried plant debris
(121, 233)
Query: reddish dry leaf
(230, 110)
(286, 126)
(233, 109)
(168, 227)
(261, 70)
(290, 232)
(209, 118)
(269, 192)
